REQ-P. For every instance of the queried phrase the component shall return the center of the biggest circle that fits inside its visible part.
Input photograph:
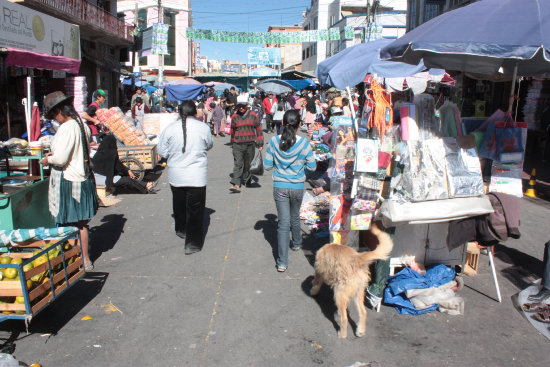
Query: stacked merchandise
(321, 151)
(314, 212)
(121, 126)
(536, 101)
(76, 86)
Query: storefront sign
(264, 56)
(26, 29)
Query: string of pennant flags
(372, 31)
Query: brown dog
(346, 272)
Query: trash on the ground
(87, 317)
(109, 308)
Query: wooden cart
(42, 276)
(139, 158)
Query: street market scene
(198, 184)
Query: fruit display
(46, 268)
(121, 126)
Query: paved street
(227, 305)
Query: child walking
(290, 156)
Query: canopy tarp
(301, 84)
(183, 92)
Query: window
(412, 14)
(303, 54)
(170, 18)
(332, 20)
(314, 49)
(432, 9)
(142, 24)
(315, 23)
(358, 35)
(307, 52)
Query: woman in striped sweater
(289, 155)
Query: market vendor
(111, 173)
(72, 193)
(90, 114)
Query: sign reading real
(26, 29)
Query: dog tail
(382, 251)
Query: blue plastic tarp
(183, 92)
(350, 66)
(138, 83)
(489, 37)
(395, 292)
(301, 84)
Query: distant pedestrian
(290, 155)
(268, 104)
(246, 135)
(185, 143)
(278, 111)
(217, 117)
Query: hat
(241, 104)
(54, 99)
(101, 92)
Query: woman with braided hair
(184, 144)
(72, 193)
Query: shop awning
(37, 60)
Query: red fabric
(267, 105)
(246, 129)
(37, 60)
(35, 124)
(93, 128)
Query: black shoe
(180, 234)
(191, 250)
(543, 295)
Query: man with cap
(268, 104)
(246, 135)
(90, 114)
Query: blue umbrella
(350, 66)
(276, 86)
(486, 37)
(223, 86)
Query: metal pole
(136, 52)
(161, 56)
(513, 89)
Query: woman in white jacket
(72, 194)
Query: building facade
(177, 14)
(389, 17)
(291, 53)
(420, 11)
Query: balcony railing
(91, 14)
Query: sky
(242, 16)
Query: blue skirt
(71, 211)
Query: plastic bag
(257, 164)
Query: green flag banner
(316, 35)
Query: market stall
(406, 165)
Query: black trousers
(269, 124)
(130, 183)
(188, 205)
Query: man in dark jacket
(246, 134)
